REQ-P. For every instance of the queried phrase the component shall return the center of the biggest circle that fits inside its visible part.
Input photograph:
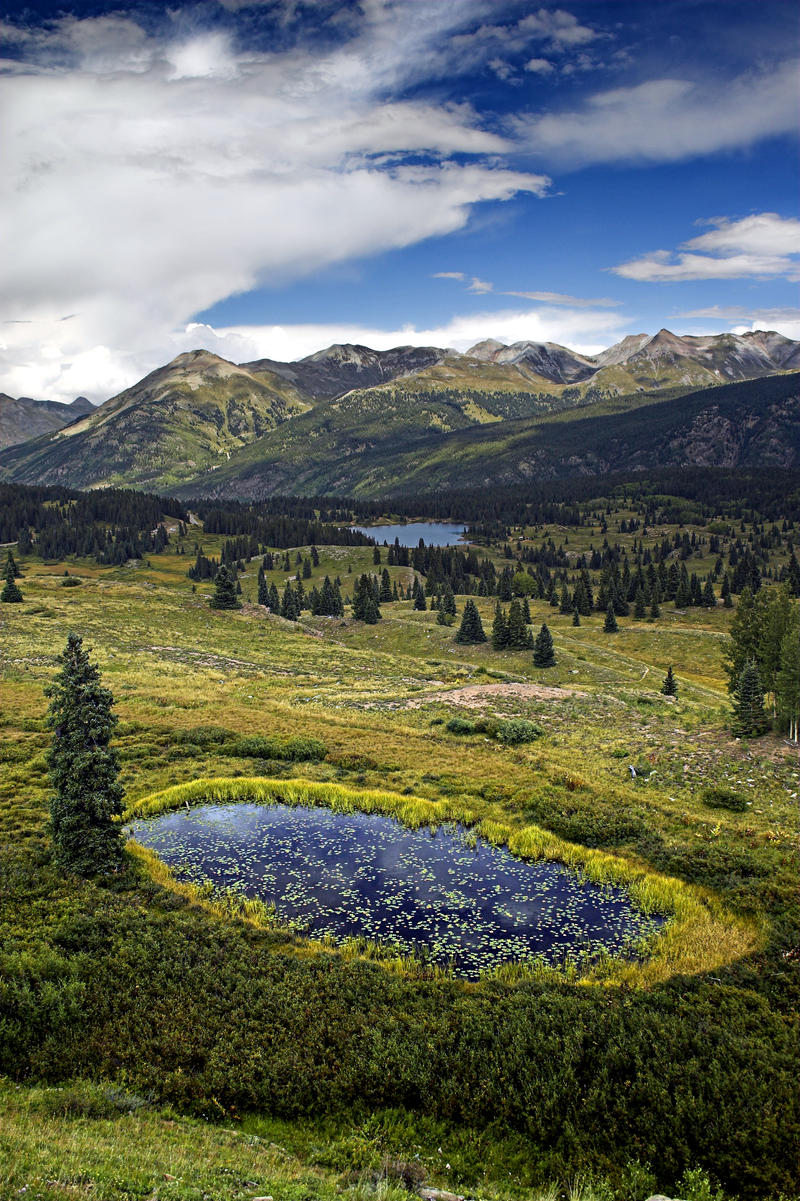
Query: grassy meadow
(159, 1045)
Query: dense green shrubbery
(254, 746)
(513, 731)
(165, 997)
(724, 798)
(294, 749)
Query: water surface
(357, 874)
(433, 533)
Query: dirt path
(474, 696)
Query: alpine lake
(444, 895)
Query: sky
(265, 179)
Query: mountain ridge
(201, 414)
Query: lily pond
(454, 900)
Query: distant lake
(433, 533)
(459, 899)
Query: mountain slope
(24, 418)
(750, 423)
(180, 420)
(340, 368)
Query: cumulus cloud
(664, 120)
(144, 181)
(588, 333)
(761, 245)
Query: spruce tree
(419, 597)
(749, 719)
(386, 587)
(708, 598)
(224, 591)
(499, 629)
(610, 624)
(274, 600)
(639, 605)
(12, 563)
(576, 617)
(11, 594)
(83, 767)
(543, 652)
(670, 684)
(517, 630)
(263, 589)
(471, 628)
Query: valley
(351, 1057)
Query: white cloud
(664, 120)
(762, 245)
(139, 189)
(740, 320)
(539, 66)
(586, 332)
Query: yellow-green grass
(701, 935)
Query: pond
(454, 899)
(433, 533)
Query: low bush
(719, 797)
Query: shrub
(718, 797)
(460, 725)
(275, 747)
(517, 730)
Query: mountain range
(23, 418)
(354, 420)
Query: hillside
(179, 420)
(757, 422)
(23, 418)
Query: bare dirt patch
(476, 696)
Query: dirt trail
(473, 696)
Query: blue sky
(264, 179)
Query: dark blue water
(359, 874)
(434, 533)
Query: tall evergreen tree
(610, 624)
(11, 594)
(386, 587)
(749, 718)
(263, 589)
(499, 629)
(12, 563)
(471, 628)
(419, 597)
(224, 591)
(365, 603)
(517, 630)
(670, 684)
(83, 768)
(274, 600)
(576, 617)
(543, 651)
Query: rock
(438, 1194)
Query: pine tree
(576, 617)
(83, 767)
(386, 587)
(517, 630)
(543, 652)
(499, 629)
(263, 590)
(565, 602)
(290, 608)
(526, 611)
(274, 601)
(11, 594)
(12, 563)
(419, 597)
(471, 628)
(224, 591)
(365, 603)
(670, 685)
(610, 624)
(639, 604)
(709, 600)
(749, 719)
